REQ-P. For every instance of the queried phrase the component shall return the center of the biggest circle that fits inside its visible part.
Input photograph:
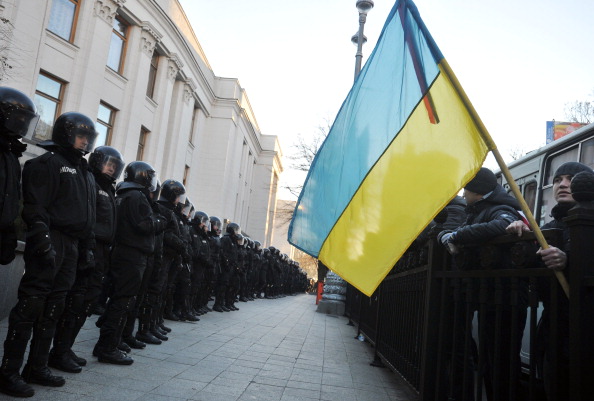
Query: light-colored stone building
(137, 67)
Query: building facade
(137, 68)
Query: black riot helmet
(70, 126)
(172, 191)
(233, 229)
(140, 175)
(215, 225)
(18, 115)
(201, 218)
(188, 208)
(155, 193)
(240, 239)
(272, 250)
(257, 246)
(107, 161)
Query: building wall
(233, 167)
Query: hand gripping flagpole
(506, 173)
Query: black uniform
(134, 243)
(232, 267)
(173, 248)
(201, 264)
(10, 184)
(87, 285)
(59, 209)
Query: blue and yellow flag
(404, 142)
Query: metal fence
(468, 329)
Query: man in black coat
(59, 210)
(490, 210)
(555, 258)
(106, 165)
(134, 244)
(18, 118)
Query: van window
(587, 153)
(569, 155)
(530, 195)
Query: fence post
(436, 263)
(581, 304)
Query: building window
(193, 124)
(186, 174)
(142, 143)
(48, 99)
(63, 18)
(150, 89)
(117, 48)
(104, 127)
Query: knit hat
(571, 168)
(483, 182)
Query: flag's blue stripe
(378, 105)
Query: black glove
(86, 260)
(8, 244)
(38, 240)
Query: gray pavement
(270, 350)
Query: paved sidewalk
(270, 350)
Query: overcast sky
(519, 62)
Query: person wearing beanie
(490, 209)
(556, 259)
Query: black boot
(143, 334)
(42, 376)
(14, 385)
(218, 308)
(122, 346)
(162, 326)
(80, 361)
(113, 356)
(134, 343)
(63, 362)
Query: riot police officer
(59, 210)
(232, 261)
(172, 193)
(134, 243)
(221, 278)
(183, 282)
(18, 118)
(199, 227)
(106, 165)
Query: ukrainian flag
(404, 142)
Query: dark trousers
(79, 301)
(41, 294)
(127, 269)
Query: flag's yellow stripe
(423, 168)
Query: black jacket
(200, 246)
(173, 243)
(136, 222)
(59, 192)
(230, 249)
(10, 182)
(105, 226)
(488, 218)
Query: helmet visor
(154, 182)
(82, 139)
(112, 166)
(181, 199)
(20, 122)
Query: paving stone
(279, 350)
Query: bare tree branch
(580, 111)
(304, 150)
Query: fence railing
(492, 323)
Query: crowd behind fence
(423, 320)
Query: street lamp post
(363, 6)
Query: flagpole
(506, 173)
